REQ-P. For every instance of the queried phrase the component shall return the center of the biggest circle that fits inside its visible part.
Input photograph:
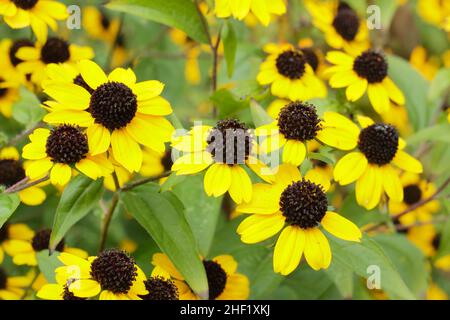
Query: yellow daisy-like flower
(314, 56)
(290, 75)
(224, 282)
(298, 124)
(56, 291)
(13, 288)
(54, 50)
(8, 96)
(13, 171)
(435, 12)
(428, 67)
(23, 250)
(414, 190)
(9, 61)
(113, 274)
(56, 151)
(373, 165)
(341, 25)
(38, 14)
(98, 25)
(117, 111)
(223, 150)
(263, 10)
(14, 231)
(365, 72)
(161, 286)
(298, 207)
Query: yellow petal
(341, 227)
(350, 167)
(99, 139)
(318, 178)
(92, 74)
(294, 152)
(257, 228)
(125, 76)
(126, 150)
(379, 98)
(192, 163)
(392, 184)
(288, 250)
(369, 187)
(148, 89)
(85, 288)
(265, 200)
(406, 162)
(317, 249)
(227, 262)
(60, 174)
(241, 185)
(217, 179)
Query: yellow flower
(54, 50)
(192, 52)
(342, 27)
(297, 206)
(117, 111)
(113, 274)
(435, 293)
(223, 280)
(372, 166)
(298, 124)
(314, 56)
(161, 286)
(38, 14)
(367, 71)
(13, 288)
(414, 190)
(15, 231)
(56, 291)
(9, 61)
(13, 171)
(56, 151)
(435, 12)
(98, 25)
(424, 237)
(290, 75)
(23, 250)
(398, 117)
(262, 9)
(223, 150)
(427, 67)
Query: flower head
(118, 111)
(13, 288)
(297, 207)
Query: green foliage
(8, 204)
(47, 264)
(27, 110)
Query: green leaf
(230, 46)
(439, 85)
(439, 132)
(80, 196)
(408, 260)
(172, 180)
(342, 278)
(8, 204)
(259, 115)
(415, 89)
(202, 212)
(227, 103)
(47, 264)
(27, 110)
(162, 216)
(180, 14)
(444, 245)
(387, 10)
(359, 256)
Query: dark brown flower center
(412, 194)
(229, 142)
(371, 65)
(3, 279)
(217, 278)
(304, 204)
(4, 234)
(11, 172)
(67, 295)
(25, 4)
(167, 161)
(379, 143)
(67, 144)
(115, 270)
(311, 57)
(299, 121)
(346, 22)
(291, 64)
(55, 50)
(80, 81)
(113, 105)
(160, 289)
(15, 47)
(41, 241)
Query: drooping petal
(341, 227)
(288, 250)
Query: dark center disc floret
(4, 234)
(78, 80)
(25, 4)
(291, 64)
(3, 279)
(379, 143)
(217, 278)
(11, 172)
(412, 194)
(167, 161)
(346, 22)
(67, 144)
(160, 289)
(230, 142)
(15, 47)
(55, 50)
(299, 121)
(311, 57)
(304, 204)
(114, 270)
(41, 241)
(104, 20)
(113, 105)
(3, 91)
(436, 242)
(371, 65)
